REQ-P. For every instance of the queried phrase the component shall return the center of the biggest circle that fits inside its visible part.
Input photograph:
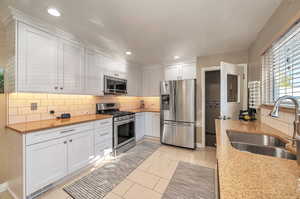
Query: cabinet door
(151, 81)
(92, 74)
(139, 126)
(148, 124)
(72, 68)
(80, 150)
(156, 124)
(188, 71)
(134, 81)
(46, 162)
(37, 60)
(171, 73)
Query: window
(281, 67)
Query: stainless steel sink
(264, 150)
(256, 139)
(260, 144)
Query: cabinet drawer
(101, 136)
(103, 149)
(40, 136)
(103, 123)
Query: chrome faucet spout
(275, 113)
(296, 133)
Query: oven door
(124, 132)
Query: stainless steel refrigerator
(178, 113)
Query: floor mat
(101, 181)
(191, 182)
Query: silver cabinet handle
(105, 123)
(103, 134)
(65, 142)
(66, 131)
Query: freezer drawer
(179, 134)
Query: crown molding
(19, 16)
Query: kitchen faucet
(296, 133)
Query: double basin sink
(260, 144)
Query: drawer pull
(71, 140)
(65, 142)
(103, 134)
(66, 131)
(104, 123)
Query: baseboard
(3, 187)
(152, 138)
(200, 145)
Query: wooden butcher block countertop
(28, 127)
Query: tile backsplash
(19, 105)
(283, 123)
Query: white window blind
(281, 67)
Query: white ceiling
(156, 30)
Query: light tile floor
(150, 179)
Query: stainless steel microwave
(114, 86)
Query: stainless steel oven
(114, 86)
(124, 132)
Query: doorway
(212, 105)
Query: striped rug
(191, 181)
(102, 180)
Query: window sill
(287, 109)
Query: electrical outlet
(33, 106)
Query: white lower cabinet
(156, 124)
(139, 126)
(46, 162)
(152, 124)
(80, 150)
(53, 154)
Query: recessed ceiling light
(176, 57)
(54, 12)
(128, 53)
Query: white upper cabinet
(181, 71)
(188, 71)
(49, 62)
(93, 74)
(71, 73)
(171, 73)
(114, 68)
(134, 83)
(151, 81)
(37, 60)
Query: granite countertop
(142, 110)
(247, 175)
(28, 127)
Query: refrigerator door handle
(174, 99)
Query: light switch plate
(33, 106)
